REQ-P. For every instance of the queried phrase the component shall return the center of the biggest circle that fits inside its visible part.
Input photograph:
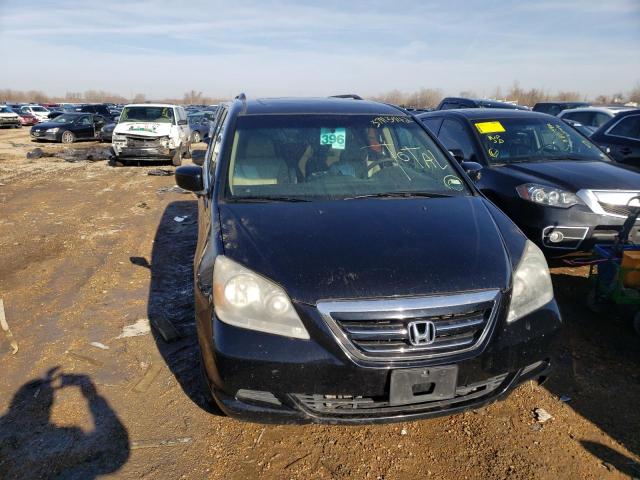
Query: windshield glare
(336, 157)
(65, 118)
(147, 114)
(533, 139)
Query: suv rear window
(336, 156)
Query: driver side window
(214, 144)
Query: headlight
(245, 299)
(553, 197)
(118, 138)
(53, 130)
(531, 283)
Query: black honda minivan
(347, 269)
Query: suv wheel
(195, 138)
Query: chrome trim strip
(555, 245)
(402, 307)
(592, 199)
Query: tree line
(421, 98)
(430, 97)
(192, 97)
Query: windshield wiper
(260, 199)
(568, 157)
(399, 195)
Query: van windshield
(311, 157)
(533, 138)
(147, 114)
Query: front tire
(67, 137)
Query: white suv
(591, 118)
(152, 131)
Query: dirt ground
(87, 250)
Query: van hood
(370, 248)
(143, 129)
(576, 175)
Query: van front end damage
(145, 147)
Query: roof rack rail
(347, 95)
(241, 96)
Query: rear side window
(433, 124)
(628, 127)
(454, 135)
(449, 106)
(584, 118)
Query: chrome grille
(142, 142)
(378, 329)
(622, 210)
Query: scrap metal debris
(86, 358)
(542, 415)
(165, 328)
(160, 172)
(92, 154)
(148, 378)
(175, 189)
(160, 443)
(99, 345)
(141, 327)
(5, 327)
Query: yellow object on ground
(631, 260)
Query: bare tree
(139, 98)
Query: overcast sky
(274, 48)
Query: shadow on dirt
(31, 446)
(171, 296)
(610, 457)
(598, 366)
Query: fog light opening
(556, 237)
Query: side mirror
(197, 157)
(190, 178)
(182, 122)
(457, 154)
(473, 169)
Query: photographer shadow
(31, 446)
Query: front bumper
(144, 153)
(9, 122)
(272, 379)
(44, 135)
(580, 228)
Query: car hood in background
(369, 248)
(576, 175)
(145, 129)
